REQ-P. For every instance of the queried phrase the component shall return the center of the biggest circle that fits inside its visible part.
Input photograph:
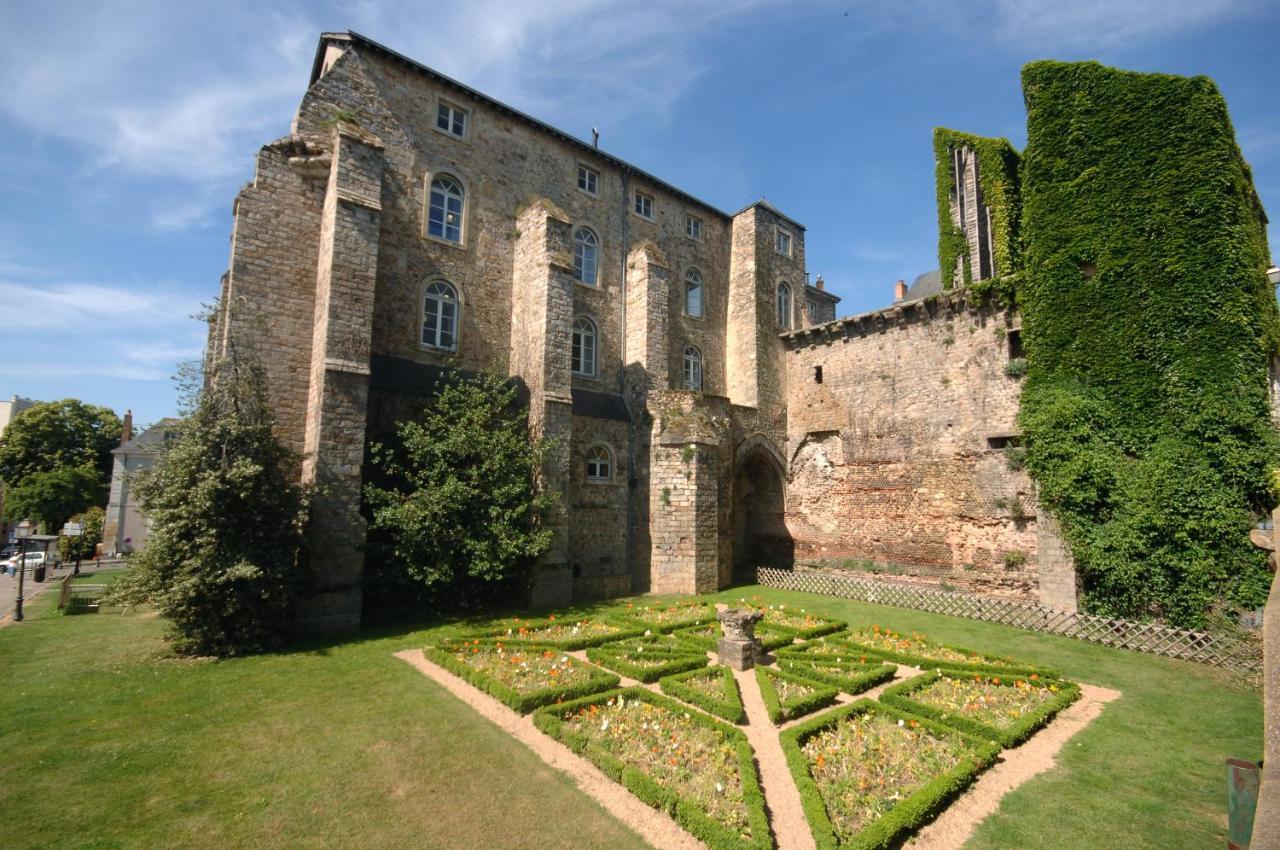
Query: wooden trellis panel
(1152, 638)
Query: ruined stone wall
(598, 512)
(898, 456)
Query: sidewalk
(31, 589)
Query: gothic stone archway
(759, 510)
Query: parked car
(32, 559)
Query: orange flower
(995, 680)
(1035, 676)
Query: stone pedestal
(738, 648)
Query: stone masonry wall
(898, 456)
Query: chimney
(126, 428)
(821, 284)
(899, 291)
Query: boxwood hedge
(521, 701)
(780, 710)
(729, 706)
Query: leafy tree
(59, 435)
(455, 514)
(52, 497)
(221, 560)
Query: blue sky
(127, 128)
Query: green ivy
(998, 164)
(1149, 324)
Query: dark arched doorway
(759, 510)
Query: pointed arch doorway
(760, 535)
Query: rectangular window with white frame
(783, 242)
(693, 227)
(588, 180)
(644, 206)
(452, 120)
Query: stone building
(712, 413)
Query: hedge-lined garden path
(950, 830)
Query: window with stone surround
(784, 305)
(452, 120)
(693, 294)
(584, 347)
(692, 368)
(440, 316)
(693, 227)
(588, 180)
(599, 464)
(643, 205)
(444, 213)
(782, 242)
(586, 256)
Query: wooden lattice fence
(1152, 638)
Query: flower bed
(699, 770)
(788, 695)
(797, 621)
(868, 773)
(918, 651)
(666, 617)
(713, 690)
(564, 632)
(706, 636)
(522, 677)
(645, 662)
(847, 676)
(1007, 709)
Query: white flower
(647, 632)
(575, 630)
(564, 659)
(902, 723)
(719, 788)
(604, 725)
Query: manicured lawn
(108, 742)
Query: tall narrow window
(692, 368)
(444, 218)
(440, 317)
(644, 205)
(693, 227)
(584, 347)
(784, 305)
(599, 464)
(585, 256)
(783, 242)
(693, 294)
(452, 120)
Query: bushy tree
(59, 435)
(226, 512)
(52, 497)
(455, 513)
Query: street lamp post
(22, 532)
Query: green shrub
(521, 701)
(647, 665)
(848, 677)
(226, 512)
(1016, 367)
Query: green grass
(108, 742)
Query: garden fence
(1153, 638)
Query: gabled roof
(355, 39)
(154, 437)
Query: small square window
(644, 205)
(451, 120)
(588, 180)
(783, 243)
(693, 227)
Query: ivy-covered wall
(998, 163)
(1149, 325)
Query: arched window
(444, 218)
(784, 304)
(440, 316)
(585, 256)
(693, 294)
(599, 464)
(692, 368)
(584, 347)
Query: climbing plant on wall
(998, 179)
(1149, 325)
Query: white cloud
(87, 307)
